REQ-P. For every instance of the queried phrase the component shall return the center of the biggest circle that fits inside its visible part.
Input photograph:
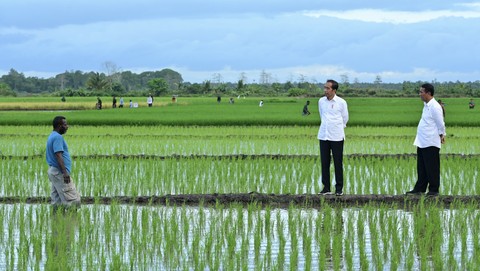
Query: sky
(228, 40)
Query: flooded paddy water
(239, 237)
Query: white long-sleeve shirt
(431, 126)
(333, 117)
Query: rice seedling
(131, 156)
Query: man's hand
(66, 178)
(442, 139)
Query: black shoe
(339, 193)
(432, 194)
(414, 192)
(325, 192)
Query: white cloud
(392, 17)
(361, 40)
(475, 5)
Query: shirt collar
(334, 99)
(429, 102)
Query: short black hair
(428, 88)
(334, 84)
(57, 121)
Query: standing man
(430, 137)
(334, 117)
(150, 101)
(63, 191)
(305, 111)
(121, 102)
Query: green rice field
(196, 146)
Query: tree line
(170, 82)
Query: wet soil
(281, 201)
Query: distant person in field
(471, 104)
(121, 102)
(261, 103)
(150, 101)
(63, 99)
(333, 112)
(232, 101)
(131, 104)
(305, 111)
(99, 103)
(430, 137)
(219, 99)
(114, 102)
(63, 191)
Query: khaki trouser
(62, 193)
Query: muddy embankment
(281, 201)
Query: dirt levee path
(306, 200)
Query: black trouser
(428, 169)
(336, 149)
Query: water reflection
(231, 238)
(60, 242)
(428, 236)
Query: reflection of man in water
(58, 250)
(428, 236)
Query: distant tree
(5, 90)
(288, 85)
(240, 85)
(173, 78)
(207, 88)
(113, 72)
(158, 86)
(344, 81)
(97, 82)
(295, 92)
(194, 88)
(14, 79)
(278, 88)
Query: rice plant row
(105, 177)
(277, 140)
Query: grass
(205, 112)
(224, 140)
(106, 177)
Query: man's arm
(61, 163)
(345, 114)
(437, 115)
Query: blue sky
(226, 40)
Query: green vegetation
(196, 146)
(207, 112)
(117, 83)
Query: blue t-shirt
(56, 143)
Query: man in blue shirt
(63, 191)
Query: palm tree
(98, 82)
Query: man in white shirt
(430, 137)
(150, 101)
(334, 117)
